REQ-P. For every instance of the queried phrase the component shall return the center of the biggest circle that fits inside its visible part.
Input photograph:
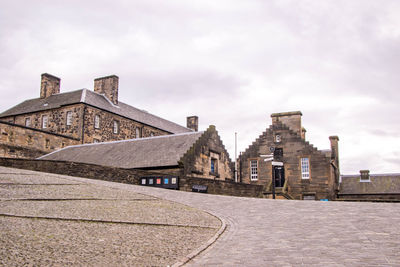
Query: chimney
(364, 176)
(290, 119)
(49, 85)
(108, 86)
(192, 122)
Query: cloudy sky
(232, 63)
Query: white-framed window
(115, 127)
(97, 122)
(253, 170)
(69, 117)
(305, 168)
(45, 121)
(138, 135)
(28, 122)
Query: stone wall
(77, 169)
(22, 142)
(197, 161)
(126, 127)
(131, 176)
(321, 183)
(219, 187)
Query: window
(115, 127)
(47, 145)
(138, 135)
(45, 121)
(214, 167)
(278, 153)
(69, 117)
(253, 170)
(28, 122)
(305, 168)
(97, 122)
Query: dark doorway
(279, 173)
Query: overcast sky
(232, 63)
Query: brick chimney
(290, 119)
(108, 86)
(49, 85)
(192, 122)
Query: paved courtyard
(259, 232)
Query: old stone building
(54, 120)
(370, 187)
(282, 157)
(192, 154)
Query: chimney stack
(290, 119)
(108, 86)
(192, 122)
(49, 85)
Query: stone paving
(48, 219)
(260, 232)
(264, 232)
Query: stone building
(54, 120)
(300, 171)
(191, 154)
(370, 187)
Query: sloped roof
(97, 100)
(159, 151)
(379, 184)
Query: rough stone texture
(323, 181)
(197, 161)
(23, 142)
(115, 227)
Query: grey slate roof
(379, 184)
(94, 99)
(159, 151)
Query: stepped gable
(282, 126)
(98, 101)
(204, 137)
(159, 151)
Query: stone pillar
(192, 122)
(107, 86)
(49, 85)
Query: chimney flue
(108, 86)
(49, 85)
(192, 122)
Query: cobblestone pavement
(48, 219)
(264, 232)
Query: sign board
(277, 163)
(199, 188)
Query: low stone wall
(370, 197)
(76, 169)
(92, 171)
(220, 187)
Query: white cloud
(232, 63)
